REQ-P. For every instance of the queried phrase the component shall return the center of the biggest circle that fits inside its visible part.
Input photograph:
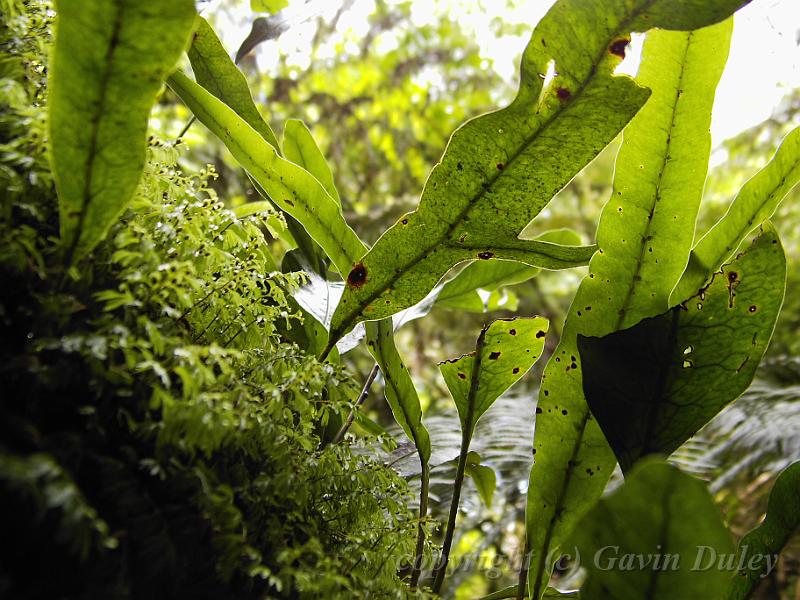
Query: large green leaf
(754, 203)
(758, 550)
(109, 61)
(300, 148)
(215, 71)
(504, 352)
(501, 169)
(292, 188)
(654, 385)
(644, 235)
(653, 538)
(399, 389)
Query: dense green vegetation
(188, 349)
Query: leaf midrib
(447, 236)
(97, 117)
(623, 311)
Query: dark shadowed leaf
(654, 385)
(653, 538)
(759, 549)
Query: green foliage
(289, 186)
(657, 188)
(653, 385)
(109, 61)
(174, 428)
(163, 438)
(505, 351)
(768, 539)
(501, 169)
(665, 519)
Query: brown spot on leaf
(540, 334)
(617, 47)
(289, 202)
(485, 255)
(513, 332)
(538, 410)
(753, 308)
(358, 276)
(494, 356)
(564, 411)
(500, 166)
(462, 375)
(563, 94)
(460, 167)
(404, 221)
(515, 370)
(733, 276)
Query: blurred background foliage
(382, 88)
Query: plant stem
(441, 567)
(186, 128)
(423, 511)
(523, 572)
(361, 398)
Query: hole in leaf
(358, 276)
(689, 349)
(687, 364)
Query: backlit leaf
(645, 229)
(499, 170)
(754, 203)
(109, 61)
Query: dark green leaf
(215, 71)
(645, 229)
(109, 61)
(759, 549)
(652, 386)
(653, 538)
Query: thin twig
(361, 398)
